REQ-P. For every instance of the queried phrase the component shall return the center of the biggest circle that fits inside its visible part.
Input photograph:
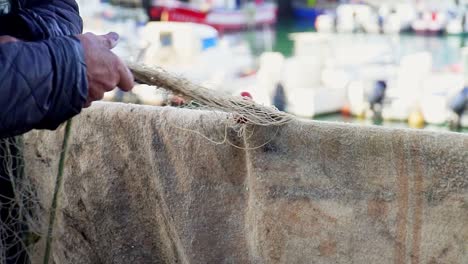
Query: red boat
(222, 15)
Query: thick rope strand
(241, 109)
(58, 185)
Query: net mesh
(243, 113)
(19, 226)
(240, 109)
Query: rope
(241, 109)
(58, 185)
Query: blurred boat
(351, 18)
(220, 14)
(430, 23)
(308, 93)
(311, 9)
(304, 84)
(403, 89)
(413, 92)
(422, 18)
(197, 53)
(325, 23)
(457, 24)
(295, 84)
(396, 17)
(315, 80)
(438, 90)
(403, 97)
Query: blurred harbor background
(393, 63)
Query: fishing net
(19, 227)
(241, 109)
(243, 113)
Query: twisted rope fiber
(245, 110)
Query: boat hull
(259, 15)
(305, 12)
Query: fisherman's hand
(7, 39)
(105, 71)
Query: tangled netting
(19, 228)
(241, 110)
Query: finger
(99, 96)
(176, 100)
(126, 81)
(111, 39)
(96, 94)
(7, 39)
(87, 104)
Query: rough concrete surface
(140, 188)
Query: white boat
(221, 14)
(464, 121)
(412, 87)
(430, 23)
(457, 25)
(268, 76)
(438, 90)
(310, 86)
(389, 18)
(354, 17)
(300, 83)
(432, 16)
(396, 17)
(316, 78)
(325, 23)
(194, 52)
(403, 98)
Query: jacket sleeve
(42, 84)
(42, 19)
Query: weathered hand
(105, 71)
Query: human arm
(41, 19)
(39, 87)
(45, 83)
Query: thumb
(7, 39)
(112, 39)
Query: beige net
(20, 227)
(242, 111)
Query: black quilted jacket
(42, 78)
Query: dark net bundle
(19, 228)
